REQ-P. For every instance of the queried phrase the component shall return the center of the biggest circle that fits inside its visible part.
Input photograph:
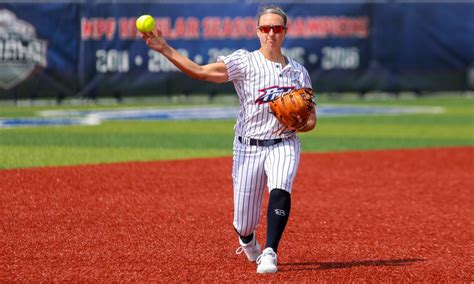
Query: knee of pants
(244, 229)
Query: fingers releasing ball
(145, 23)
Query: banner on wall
(92, 48)
(323, 40)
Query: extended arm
(213, 72)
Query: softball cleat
(252, 250)
(267, 262)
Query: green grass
(119, 141)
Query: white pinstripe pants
(255, 166)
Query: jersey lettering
(270, 93)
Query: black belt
(256, 142)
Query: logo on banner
(21, 52)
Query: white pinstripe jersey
(257, 81)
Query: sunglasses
(267, 29)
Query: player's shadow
(349, 264)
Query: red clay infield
(403, 215)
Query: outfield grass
(117, 141)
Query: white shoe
(267, 261)
(252, 250)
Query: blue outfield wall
(91, 48)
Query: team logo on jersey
(271, 93)
(21, 51)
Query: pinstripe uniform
(257, 81)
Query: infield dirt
(399, 215)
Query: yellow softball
(145, 23)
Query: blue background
(410, 47)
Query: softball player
(262, 155)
